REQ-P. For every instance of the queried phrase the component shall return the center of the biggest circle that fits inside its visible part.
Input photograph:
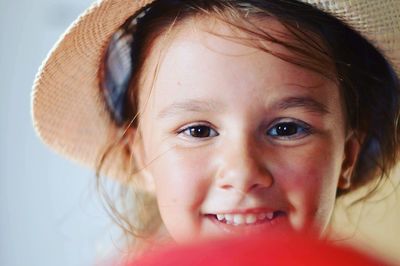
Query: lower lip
(244, 229)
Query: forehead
(201, 56)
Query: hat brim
(68, 109)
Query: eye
(289, 130)
(199, 131)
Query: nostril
(226, 186)
(244, 176)
(254, 186)
(243, 189)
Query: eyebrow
(193, 106)
(202, 106)
(304, 102)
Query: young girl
(226, 116)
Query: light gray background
(49, 210)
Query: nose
(243, 167)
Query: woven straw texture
(68, 110)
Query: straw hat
(69, 112)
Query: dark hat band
(119, 65)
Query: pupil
(287, 129)
(200, 132)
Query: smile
(243, 219)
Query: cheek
(303, 171)
(180, 179)
(308, 177)
(182, 182)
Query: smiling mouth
(247, 219)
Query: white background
(49, 209)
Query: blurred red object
(258, 250)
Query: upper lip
(245, 211)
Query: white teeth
(229, 218)
(241, 219)
(220, 217)
(261, 216)
(238, 219)
(251, 219)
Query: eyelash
(191, 129)
(302, 129)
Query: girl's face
(236, 140)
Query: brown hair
(319, 42)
